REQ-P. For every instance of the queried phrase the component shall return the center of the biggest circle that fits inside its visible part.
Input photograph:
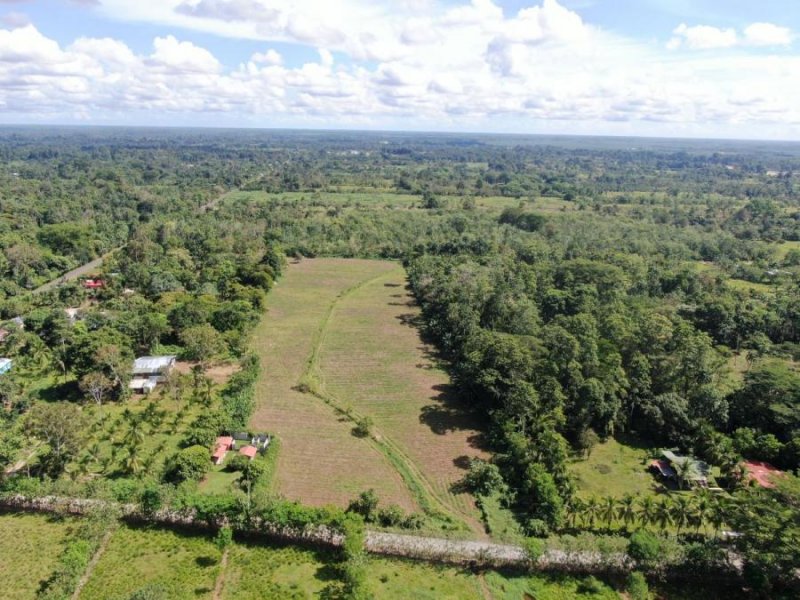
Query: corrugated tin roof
(152, 364)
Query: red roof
(249, 451)
(225, 440)
(219, 452)
(93, 283)
(761, 472)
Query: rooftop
(152, 364)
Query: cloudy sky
(713, 68)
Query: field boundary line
(98, 554)
(220, 583)
(312, 381)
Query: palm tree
(702, 511)
(716, 515)
(608, 510)
(93, 452)
(591, 511)
(681, 511)
(135, 433)
(663, 514)
(627, 510)
(647, 510)
(133, 463)
(683, 469)
(575, 508)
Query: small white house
(148, 371)
(5, 365)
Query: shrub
(637, 587)
(534, 549)
(365, 505)
(644, 547)
(224, 538)
(391, 516)
(189, 464)
(483, 478)
(363, 426)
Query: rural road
(75, 273)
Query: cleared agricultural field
(320, 461)
(181, 565)
(30, 545)
(371, 359)
(614, 469)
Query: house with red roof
(221, 447)
(249, 451)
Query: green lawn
(30, 545)
(614, 469)
(184, 565)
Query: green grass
(750, 286)
(614, 469)
(407, 580)
(30, 545)
(541, 587)
(783, 248)
(185, 565)
(502, 525)
(261, 572)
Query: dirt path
(93, 563)
(220, 584)
(75, 273)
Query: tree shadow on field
(448, 414)
(410, 319)
(392, 285)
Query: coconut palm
(575, 508)
(662, 515)
(135, 433)
(681, 510)
(133, 462)
(608, 510)
(646, 512)
(626, 510)
(716, 515)
(702, 511)
(591, 511)
(683, 470)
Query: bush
(483, 478)
(644, 547)
(224, 538)
(391, 516)
(637, 587)
(365, 505)
(363, 426)
(534, 549)
(189, 464)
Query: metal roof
(152, 364)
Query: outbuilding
(5, 365)
(249, 451)
(148, 371)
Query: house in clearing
(148, 371)
(93, 284)
(221, 447)
(691, 470)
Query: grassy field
(503, 587)
(30, 545)
(274, 573)
(614, 469)
(183, 565)
(372, 360)
(320, 461)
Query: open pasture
(320, 461)
(30, 545)
(182, 565)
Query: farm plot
(320, 461)
(30, 545)
(371, 359)
(178, 564)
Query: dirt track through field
(320, 461)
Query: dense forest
(579, 290)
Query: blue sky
(698, 68)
